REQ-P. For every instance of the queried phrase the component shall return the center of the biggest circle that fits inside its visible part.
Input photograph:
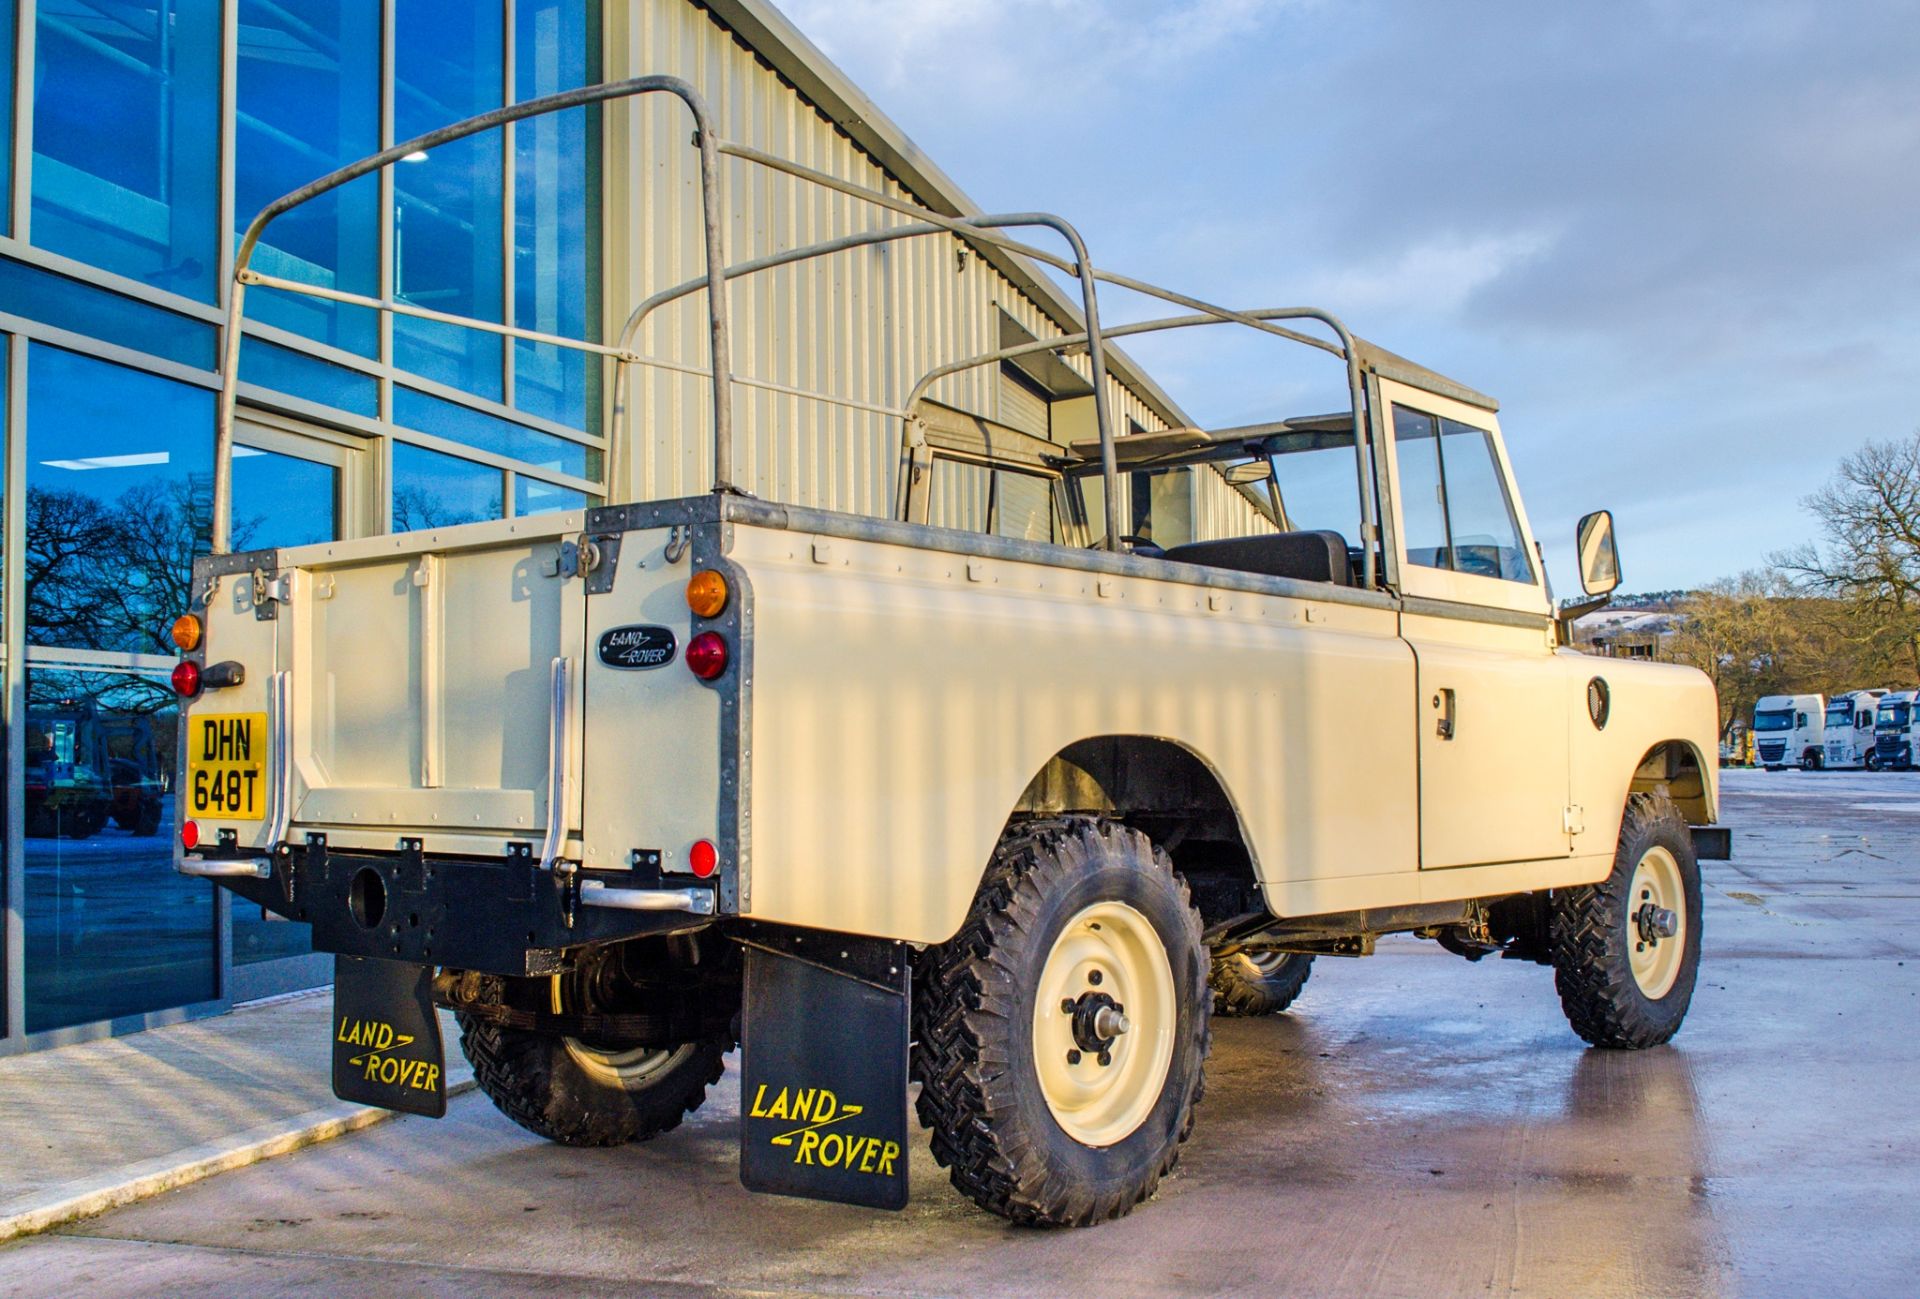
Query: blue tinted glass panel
(119, 495)
(309, 90)
(435, 491)
(126, 138)
(6, 119)
(68, 304)
(447, 206)
(531, 496)
(111, 929)
(485, 432)
(282, 500)
(299, 375)
(555, 219)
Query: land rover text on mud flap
(878, 800)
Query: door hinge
(270, 592)
(1574, 818)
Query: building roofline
(772, 35)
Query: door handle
(1443, 702)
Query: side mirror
(1599, 557)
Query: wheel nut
(1073, 1057)
(1066, 1005)
(1106, 1057)
(1094, 977)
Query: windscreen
(1892, 717)
(1780, 720)
(1840, 714)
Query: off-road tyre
(1594, 936)
(535, 1080)
(1246, 985)
(974, 1014)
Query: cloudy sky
(1679, 241)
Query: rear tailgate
(418, 676)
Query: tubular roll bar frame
(979, 230)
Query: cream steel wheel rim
(1656, 958)
(1108, 953)
(626, 1070)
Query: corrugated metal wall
(863, 324)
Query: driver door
(1491, 708)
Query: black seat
(1304, 556)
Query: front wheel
(1062, 1033)
(1626, 950)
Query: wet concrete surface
(1418, 1126)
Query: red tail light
(190, 835)
(186, 678)
(707, 655)
(703, 858)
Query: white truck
(880, 801)
(1789, 730)
(1896, 730)
(1849, 734)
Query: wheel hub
(1104, 1019)
(1656, 922)
(1097, 1020)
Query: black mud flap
(386, 1037)
(823, 1092)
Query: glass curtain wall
(118, 488)
(130, 199)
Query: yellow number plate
(227, 766)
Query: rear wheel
(1258, 983)
(587, 1092)
(1062, 1033)
(1626, 950)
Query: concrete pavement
(1419, 1126)
(96, 1125)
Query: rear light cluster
(186, 633)
(186, 678)
(708, 652)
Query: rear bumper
(500, 915)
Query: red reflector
(190, 835)
(186, 678)
(704, 858)
(707, 655)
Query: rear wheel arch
(1170, 792)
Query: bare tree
(1868, 560)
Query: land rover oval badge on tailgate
(637, 647)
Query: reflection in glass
(281, 500)
(111, 929)
(484, 432)
(554, 211)
(431, 490)
(99, 313)
(126, 138)
(447, 205)
(300, 375)
(309, 101)
(531, 496)
(119, 499)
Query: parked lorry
(1789, 730)
(1895, 722)
(880, 801)
(1849, 731)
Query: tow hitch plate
(386, 1038)
(823, 1092)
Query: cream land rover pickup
(882, 802)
